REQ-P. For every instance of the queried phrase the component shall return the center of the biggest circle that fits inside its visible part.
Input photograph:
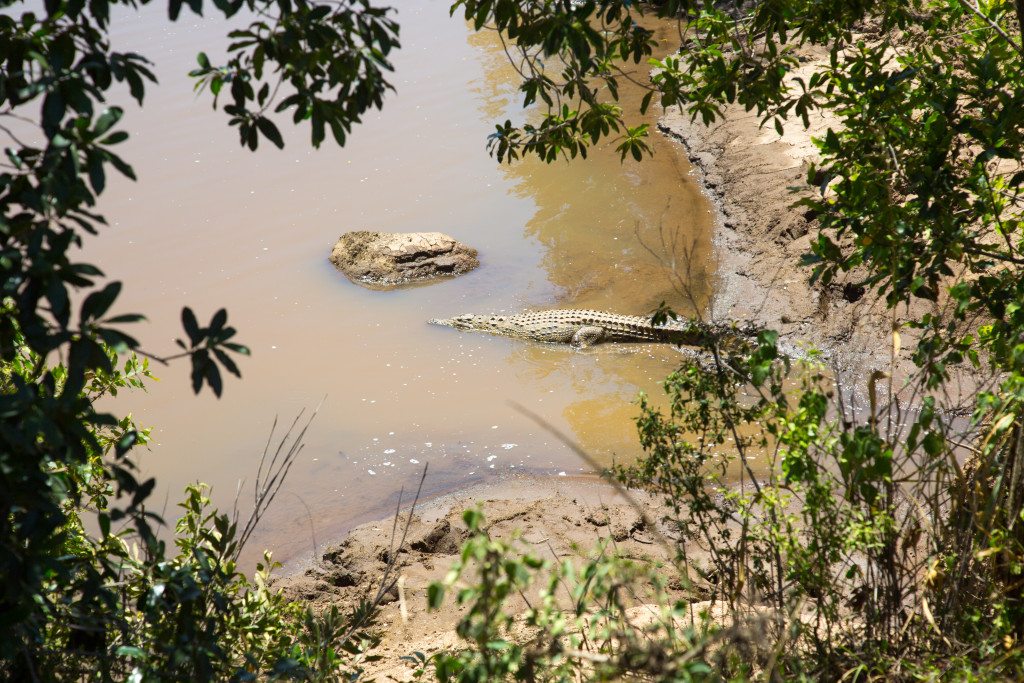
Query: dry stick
(394, 525)
(264, 485)
(270, 491)
(393, 559)
(259, 471)
(259, 475)
(234, 504)
(276, 475)
(312, 526)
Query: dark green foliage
(57, 452)
(331, 59)
(573, 55)
(120, 604)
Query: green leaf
(472, 518)
(191, 325)
(104, 522)
(97, 303)
(933, 443)
(97, 178)
(435, 595)
(218, 320)
(126, 170)
(126, 442)
(270, 131)
(645, 103)
(126, 318)
(115, 138)
(226, 361)
(106, 120)
(1003, 423)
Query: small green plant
(194, 616)
(529, 619)
(817, 545)
(125, 606)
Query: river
(210, 225)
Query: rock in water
(388, 259)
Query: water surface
(210, 225)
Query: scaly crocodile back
(560, 326)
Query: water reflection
(605, 381)
(620, 236)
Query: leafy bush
(62, 460)
(840, 549)
(118, 605)
(879, 529)
(605, 619)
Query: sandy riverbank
(754, 176)
(552, 517)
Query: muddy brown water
(210, 224)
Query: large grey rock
(388, 259)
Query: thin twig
(994, 25)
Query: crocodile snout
(459, 322)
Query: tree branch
(1019, 6)
(996, 27)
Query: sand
(553, 517)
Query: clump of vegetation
(873, 534)
(117, 603)
(848, 549)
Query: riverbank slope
(553, 518)
(754, 177)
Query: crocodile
(581, 328)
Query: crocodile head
(459, 322)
